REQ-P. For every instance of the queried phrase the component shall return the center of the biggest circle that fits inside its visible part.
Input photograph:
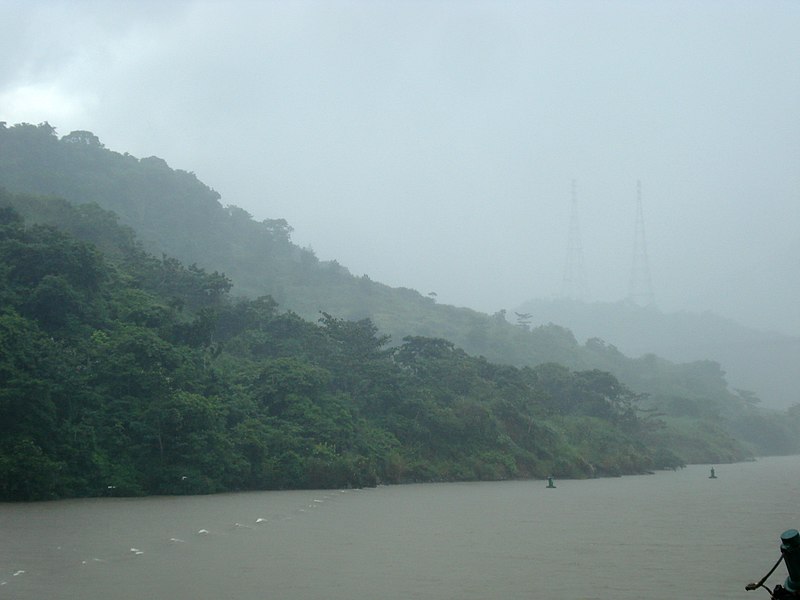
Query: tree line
(226, 331)
(122, 373)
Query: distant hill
(176, 215)
(126, 374)
(761, 362)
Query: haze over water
(670, 535)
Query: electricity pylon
(640, 291)
(574, 284)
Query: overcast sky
(431, 145)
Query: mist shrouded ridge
(431, 145)
(194, 226)
(150, 369)
(758, 361)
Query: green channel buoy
(550, 483)
(713, 474)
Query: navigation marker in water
(550, 484)
(713, 474)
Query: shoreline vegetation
(126, 371)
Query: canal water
(665, 536)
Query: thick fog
(432, 145)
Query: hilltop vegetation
(127, 370)
(761, 362)
(121, 373)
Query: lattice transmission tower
(640, 291)
(574, 285)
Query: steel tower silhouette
(574, 286)
(641, 288)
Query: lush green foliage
(176, 215)
(755, 360)
(124, 373)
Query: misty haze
(307, 250)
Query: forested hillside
(761, 362)
(288, 371)
(121, 374)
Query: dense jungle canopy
(154, 341)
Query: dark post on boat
(790, 550)
(790, 556)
